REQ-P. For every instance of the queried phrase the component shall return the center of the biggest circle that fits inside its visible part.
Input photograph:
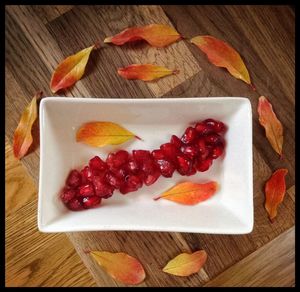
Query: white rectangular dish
(229, 211)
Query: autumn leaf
(272, 125)
(121, 266)
(186, 264)
(22, 136)
(189, 193)
(99, 134)
(145, 72)
(275, 191)
(221, 54)
(71, 69)
(157, 35)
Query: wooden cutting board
(39, 37)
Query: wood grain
(33, 258)
(273, 265)
(39, 37)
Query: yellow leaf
(121, 266)
(186, 264)
(99, 134)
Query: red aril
(151, 178)
(67, 194)
(212, 139)
(176, 141)
(86, 190)
(74, 178)
(217, 126)
(90, 202)
(114, 180)
(203, 165)
(169, 150)
(166, 167)
(203, 150)
(117, 159)
(148, 166)
(132, 166)
(132, 183)
(189, 151)
(97, 164)
(87, 175)
(141, 155)
(102, 188)
(184, 165)
(192, 171)
(203, 129)
(189, 135)
(216, 152)
(75, 204)
(157, 154)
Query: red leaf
(272, 125)
(275, 191)
(145, 72)
(157, 35)
(189, 193)
(22, 136)
(221, 54)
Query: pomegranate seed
(212, 139)
(202, 148)
(216, 152)
(114, 180)
(157, 154)
(89, 202)
(169, 150)
(102, 189)
(151, 178)
(67, 195)
(191, 171)
(86, 190)
(74, 178)
(166, 167)
(132, 166)
(87, 174)
(176, 141)
(203, 129)
(189, 135)
(133, 183)
(75, 204)
(117, 159)
(184, 165)
(203, 165)
(190, 151)
(97, 164)
(141, 155)
(149, 166)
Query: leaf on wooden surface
(275, 191)
(145, 72)
(121, 266)
(186, 264)
(188, 193)
(100, 134)
(70, 70)
(221, 54)
(157, 35)
(273, 127)
(22, 136)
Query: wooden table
(39, 37)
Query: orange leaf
(221, 54)
(186, 264)
(275, 191)
(99, 134)
(121, 266)
(145, 72)
(272, 125)
(157, 35)
(71, 69)
(189, 193)
(22, 136)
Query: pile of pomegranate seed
(126, 172)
